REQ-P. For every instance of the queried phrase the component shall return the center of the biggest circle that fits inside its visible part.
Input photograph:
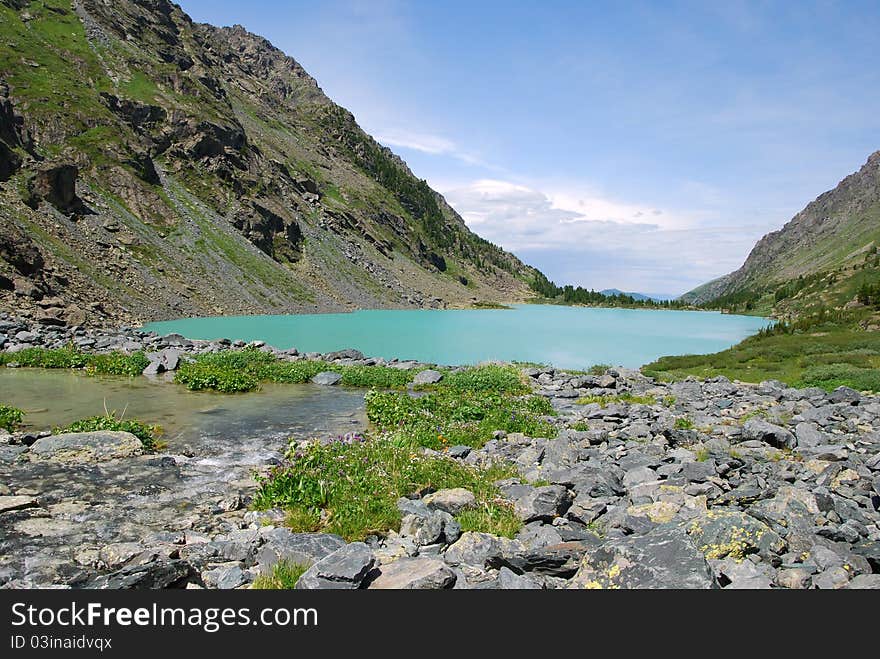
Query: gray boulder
(327, 378)
(543, 503)
(152, 576)
(763, 431)
(452, 500)
(428, 376)
(663, 558)
(477, 549)
(344, 569)
(414, 573)
(808, 435)
(510, 580)
(304, 548)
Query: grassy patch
(494, 378)
(466, 408)
(823, 355)
(684, 423)
(113, 363)
(148, 434)
(605, 401)
(581, 426)
(284, 576)
(492, 517)
(351, 487)
(233, 371)
(10, 417)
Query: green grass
(233, 371)
(10, 417)
(351, 487)
(581, 426)
(465, 408)
(148, 434)
(284, 576)
(605, 401)
(113, 363)
(825, 355)
(494, 378)
(496, 518)
(684, 423)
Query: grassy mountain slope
(820, 276)
(153, 167)
(818, 259)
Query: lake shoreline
(748, 486)
(561, 335)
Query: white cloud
(581, 237)
(426, 143)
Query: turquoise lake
(569, 337)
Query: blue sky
(642, 145)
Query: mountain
(820, 258)
(635, 296)
(153, 167)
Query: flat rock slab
(16, 503)
(414, 574)
(664, 558)
(327, 378)
(452, 500)
(428, 376)
(85, 447)
(153, 576)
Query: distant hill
(637, 296)
(820, 259)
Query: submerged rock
(86, 447)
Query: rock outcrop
(196, 170)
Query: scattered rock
(344, 569)
(452, 501)
(414, 573)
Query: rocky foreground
(647, 485)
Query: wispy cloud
(578, 236)
(426, 143)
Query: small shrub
(378, 377)
(199, 376)
(10, 417)
(598, 369)
(582, 426)
(489, 378)
(832, 376)
(284, 576)
(684, 423)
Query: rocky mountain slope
(152, 167)
(823, 253)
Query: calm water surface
(569, 337)
(207, 422)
